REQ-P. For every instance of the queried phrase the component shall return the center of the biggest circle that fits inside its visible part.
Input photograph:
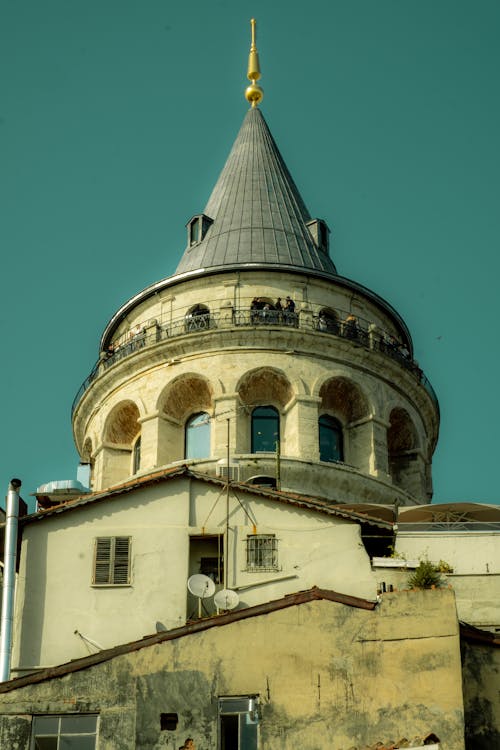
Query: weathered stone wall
(481, 690)
(327, 676)
(301, 371)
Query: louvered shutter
(112, 560)
(121, 560)
(102, 560)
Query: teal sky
(116, 118)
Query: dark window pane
(45, 724)
(45, 743)
(77, 743)
(265, 429)
(330, 439)
(78, 724)
(229, 732)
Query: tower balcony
(206, 319)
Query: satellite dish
(201, 586)
(226, 599)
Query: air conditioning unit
(231, 472)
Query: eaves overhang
(172, 281)
(316, 504)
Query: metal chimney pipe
(9, 578)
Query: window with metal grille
(52, 732)
(262, 552)
(111, 561)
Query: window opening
(238, 723)
(331, 444)
(265, 429)
(262, 552)
(64, 732)
(206, 556)
(197, 436)
(198, 318)
(136, 456)
(194, 231)
(112, 561)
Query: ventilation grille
(231, 472)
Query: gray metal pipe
(9, 578)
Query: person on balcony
(351, 329)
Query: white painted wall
(56, 596)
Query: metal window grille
(112, 561)
(262, 552)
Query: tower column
(302, 437)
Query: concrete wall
(326, 676)
(56, 597)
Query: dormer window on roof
(197, 228)
(320, 233)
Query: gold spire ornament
(253, 93)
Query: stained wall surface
(325, 675)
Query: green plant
(444, 567)
(426, 576)
(394, 554)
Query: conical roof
(258, 216)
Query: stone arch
(406, 464)
(122, 430)
(186, 395)
(401, 433)
(265, 385)
(86, 455)
(343, 399)
(122, 424)
(198, 317)
(328, 320)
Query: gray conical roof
(258, 214)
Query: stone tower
(256, 360)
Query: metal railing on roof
(359, 331)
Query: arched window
(198, 318)
(136, 456)
(197, 437)
(331, 444)
(265, 429)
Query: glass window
(238, 723)
(136, 456)
(70, 732)
(262, 552)
(265, 429)
(331, 446)
(111, 561)
(197, 436)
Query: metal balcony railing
(359, 331)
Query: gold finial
(254, 93)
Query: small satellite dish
(201, 586)
(226, 599)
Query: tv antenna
(202, 587)
(226, 599)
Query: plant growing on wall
(426, 576)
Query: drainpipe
(9, 578)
